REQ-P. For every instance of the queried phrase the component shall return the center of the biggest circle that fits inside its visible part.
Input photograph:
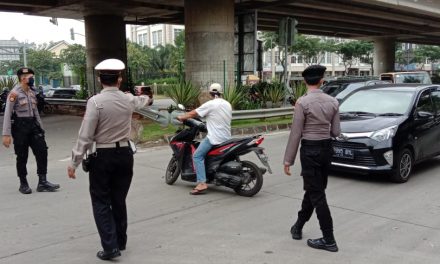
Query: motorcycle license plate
(264, 159)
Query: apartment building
(155, 35)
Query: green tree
(178, 53)
(161, 59)
(45, 65)
(75, 57)
(351, 51)
(430, 52)
(137, 60)
(312, 49)
(5, 66)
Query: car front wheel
(404, 166)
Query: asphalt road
(375, 221)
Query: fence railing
(155, 115)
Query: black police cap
(24, 70)
(314, 71)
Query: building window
(293, 59)
(329, 57)
(142, 39)
(177, 32)
(157, 38)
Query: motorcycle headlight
(384, 134)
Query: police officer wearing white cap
(218, 114)
(107, 123)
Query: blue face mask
(31, 81)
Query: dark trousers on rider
(26, 133)
(315, 161)
(111, 172)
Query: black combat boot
(46, 186)
(24, 186)
(326, 243)
(296, 231)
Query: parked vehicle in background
(3, 98)
(387, 129)
(341, 88)
(66, 93)
(407, 77)
(75, 87)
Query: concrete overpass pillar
(384, 55)
(105, 38)
(209, 42)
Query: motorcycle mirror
(181, 106)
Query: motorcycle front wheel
(173, 171)
(252, 179)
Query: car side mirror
(424, 115)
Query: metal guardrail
(261, 113)
(63, 101)
(156, 115)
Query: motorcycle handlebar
(191, 122)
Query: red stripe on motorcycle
(219, 151)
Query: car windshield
(412, 78)
(349, 89)
(333, 89)
(378, 102)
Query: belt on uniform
(322, 142)
(112, 145)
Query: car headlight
(384, 134)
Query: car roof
(399, 86)
(400, 72)
(62, 89)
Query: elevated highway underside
(407, 21)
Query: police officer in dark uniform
(22, 122)
(316, 120)
(107, 124)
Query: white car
(76, 87)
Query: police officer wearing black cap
(22, 123)
(316, 120)
(107, 124)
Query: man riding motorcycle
(218, 114)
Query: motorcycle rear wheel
(173, 171)
(255, 183)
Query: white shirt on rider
(218, 114)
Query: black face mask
(31, 81)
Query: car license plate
(343, 153)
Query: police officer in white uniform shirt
(107, 123)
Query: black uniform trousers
(111, 171)
(315, 161)
(26, 133)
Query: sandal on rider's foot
(196, 191)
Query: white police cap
(215, 88)
(110, 65)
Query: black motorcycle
(223, 164)
(41, 102)
(3, 98)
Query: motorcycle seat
(232, 140)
